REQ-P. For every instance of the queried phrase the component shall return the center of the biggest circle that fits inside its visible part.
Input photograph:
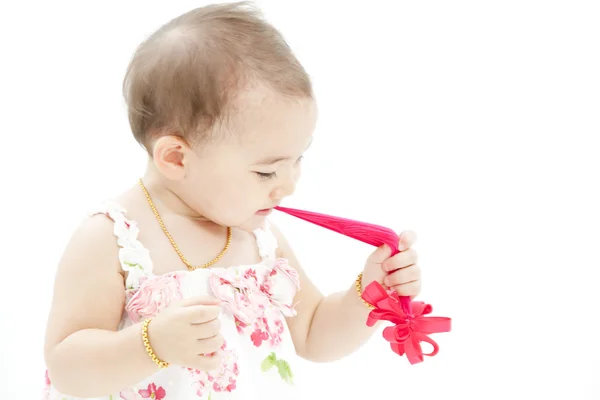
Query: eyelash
(270, 175)
(266, 176)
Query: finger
(411, 289)
(401, 260)
(201, 314)
(208, 329)
(381, 254)
(407, 239)
(206, 363)
(403, 276)
(199, 300)
(210, 345)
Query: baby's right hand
(185, 332)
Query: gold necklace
(162, 225)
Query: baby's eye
(266, 175)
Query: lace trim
(133, 256)
(266, 242)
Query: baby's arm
(325, 328)
(85, 355)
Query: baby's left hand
(399, 272)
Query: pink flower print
(154, 294)
(153, 392)
(229, 388)
(226, 378)
(283, 283)
(282, 266)
(234, 292)
(239, 325)
(200, 381)
(200, 387)
(47, 387)
(267, 285)
(250, 273)
(269, 327)
(222, 380)
(273, 324)
(276, 332)
(258, 336)
(258, 301)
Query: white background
(474, 123)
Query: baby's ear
(170, 154)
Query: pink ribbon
(410, 329)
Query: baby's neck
(165, 199)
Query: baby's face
(233, 181)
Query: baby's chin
(253, 223)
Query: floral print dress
(255, 300)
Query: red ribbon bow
(410, 326)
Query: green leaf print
(285, 372)
(283, 368)
(268, 362)
(134, 265)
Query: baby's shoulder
(96, 230)
(92, 243)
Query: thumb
(200, 301)
(381, 254)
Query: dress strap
(266, 242)
(133, 256)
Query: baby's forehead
(272, 119)
(268, 135)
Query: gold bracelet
(358, 284)
(157, 361)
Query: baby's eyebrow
(274, 160)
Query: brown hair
(182, 78)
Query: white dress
(255, 300)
